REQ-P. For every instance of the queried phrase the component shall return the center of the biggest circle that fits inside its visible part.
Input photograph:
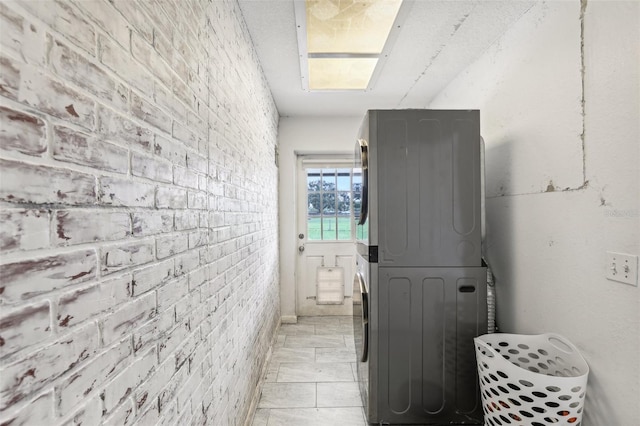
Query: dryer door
(360, 317)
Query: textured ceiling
(437, 40)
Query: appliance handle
(365, 300)
(365, 318)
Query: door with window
(328, 200)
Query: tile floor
(311, 377)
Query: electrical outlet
(622, 268)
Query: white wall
(563, 184)
(303, 135)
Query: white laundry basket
(534, 380)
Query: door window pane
(333, 197)
(313, 179)
(329, 228)
(344, 179)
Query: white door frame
(311, 255)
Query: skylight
(341, 41)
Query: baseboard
(289, 319)
(257, 392)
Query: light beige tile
(315, 372)
(291, 329)
(293, 355)
(339, 395)
(346, 320)
(320, 321)
(272, 372)
(351, 416)
(288, 395)
(335, 355)
(280, 339)
(261, 417)
(349, 342)
(344, 329)
(314, 342)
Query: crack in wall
(583, 9)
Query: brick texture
(138, 213)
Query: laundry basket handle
(485, 348)
(561, 343)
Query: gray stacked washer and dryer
(420, 294)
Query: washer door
(361, 317)
(362, 161)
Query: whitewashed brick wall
(138, 196)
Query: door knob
(301, 249)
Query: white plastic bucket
(535, 380)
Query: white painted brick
(167, 101)
(122, 130)
(171, 197)
(78, 306)
(33, 373)
(200, 358)
(82, 226)
(170, 390)
(160, 20)
(24, 229)
(22, 183)
(116, 258)
(38, 412)
(144, 53)
(187, 262)
(152, 277)
(170, 150)
(185, 220)
(185, 177)
(185, 305)
(152, 222)
(145, 111)
(125, 192)
(22, 132)
(123, 415)
(66, 19)
(171, 292)
(154, 331)
(73, 67)
(146, 396)
(122, 63)
(136, 17)
(92, 376)
(108, 18)
(79, 148)
(187, 391)
(89, 413)
(50, 96)
(23, 327)
(187, 137)
(197, 200)
(12, 31)
(125, 384)
(198, 238)
(169, 415)
(128, 317)
(172, 340)
(9, 77)
(151, 168)
(194, 100)
(171, 245)
(150, 416)
(23, 280)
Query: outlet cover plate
(622, 267)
